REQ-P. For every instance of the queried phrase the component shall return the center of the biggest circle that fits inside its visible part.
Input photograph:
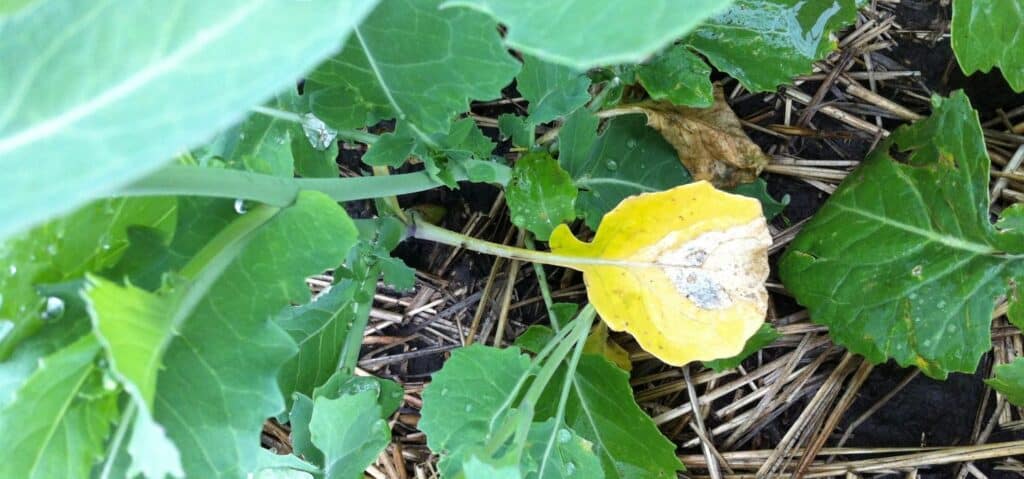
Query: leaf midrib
(928, 235)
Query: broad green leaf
(558, 452)
(681, 270)
(534, 338)
(415, 62)
(320, 328)
(587, 33)
(477, 467)
(1008, 379)
(627, 159)
(763, 337)
(220, 378)
(283, 466)
(541, 195)
(990, 33)
(58, 421)
(553, 91)
(678, 75)
(139, 81)
(459, 405)
(92, 238)
(1012, 218)
(765, 43)
(350, 432)
(602, 411)
(902, 261)
(391, 149)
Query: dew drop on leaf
(631, 143)
(317, 132)
(570, 468)
(13, 270)
(611, 165)
(564, 435)
(52, 249)
(54, 308)
(240, 206)
(469, 408)
(5, 328)
(109, 383)
(444, 392)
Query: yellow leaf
(681, 270)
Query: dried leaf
(682, 270)
(710, 142)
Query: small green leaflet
(541, 195)
(1008, 379)
(990, 33)
(58, 422)
(163, 93)
(679, 76)
(902, 261)
(350, 432)
(553, 91)
(587, 33)
(415, 62)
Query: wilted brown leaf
(710, 142)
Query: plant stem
(275, 190)
(349, 357)
(427, 231)
(563, 398)
(542, 281)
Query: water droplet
(106, 246)
(570, 468)
(564, 435)
(916, 272)
(317, 132)
(444, 392)
(241, 136)
(927, 343)
(54, 308)
(518, 220)
(942, 304)
(240, 206)
(109, 383)
(631, 143)
(611, 165)
(469, 407)
(52, 249)
(13, 270)
(1, 300)
(5, 328)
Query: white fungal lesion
(719, 268)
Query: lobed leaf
(990, 33)
(541, 195)
(902, 261)
(350, 432)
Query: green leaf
(350, 432)
(415, 62)
(627, 159)
(58, 422)
(587, 33)
(516, 128)
(765, 43)
(283, 466)
(602, 410)
(763, 337)
(534, 338)
(300, 417)
(1012, 218)
(1008, 379)
(391, 149)
(559, 452)
(679, 76)
(902, 261)
(159, 90)
(553, 91)
(459, 405)
(90, 239)
(759, 190)
(220, 379)
(320, 328)
(990, 33)
(153, 454)
(541, 195)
